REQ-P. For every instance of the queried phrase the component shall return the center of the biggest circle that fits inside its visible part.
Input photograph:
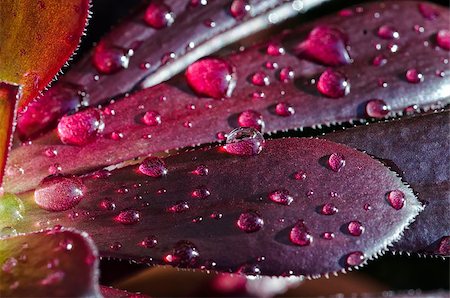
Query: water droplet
(258, 95)
(59, 193)
(128, 217)
(178, 207)
(53, 278)
(153, 167)
(367, 207)
(281, 196)
(251, 118)
(183, 254)
(115, 245)
(286, 75)
(239, 9)
(216, 215)
(250, 221)
(387, 32)
(275, 49)
(379, 60)
(325, 45)
(80, 128)
(197, 219)
(328, 235)
(396, 198)
(212, 77)
(54, 169)
(414, 76)
(149, 242)
(201, 170)
(166, 58)
(9, 264)
(151, 118)
(158, 15)
(65, 244)
(221, 135)
(200, 192)
(260, 78)
(51, 152)
(333, 84)
(377, 108)
(355, 258)
(443, 39)
(145, 65)
(209, 23)
(419, 29)
(300, 175)
(284, 109)
(355, 228)
(428, 11)
(300, 235)
(444, 246)
(187, 124)
(108, 60)
(244, 141)
(393, 47)
(106, 204)
(249, 270)
(336, 162)
(329, 209)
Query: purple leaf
(48, 263)
(164, 220)
(135, 49)
(418, 148)
(285, 103)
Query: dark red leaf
(115, 293)
(417, 148)
(189, 120)
(238, 226)
(55, 262)
(135, 49)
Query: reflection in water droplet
(250, 221)
(244, 141)
(59, 193)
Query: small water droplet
(336, 162)
(419, 29)
(333, 84)
(107, 204)
(414, 76)
(9, 264)
(275, 49)
(443, 39)
(153, 167)
(158, 15)
(115, 245)
(367, 207)
(51, 152)
(300, 235)
(54, 169)
(388, 32)
(212, 77)
(328, 235)
(179, 206)
(281, 196)
(187, 124)
(250, 221)
(183, 254)
(201, 170)
(377, 108)
(251, 118)
(166, 58)
(260, 78)
(284, 109)
(258, 95)
(59, 193)
(396, 199)
(201, 192)
(300, 175)
(109, 60)
(152, 118)
(239, 9)
(329, 209)
(149, 242)
(209, 23)
(355, 258)
(244, 141)
(221, 135)
(249, 270)
(216, 215)
(80, 128)
(355, 228)
(128, 217)
(379, 60)
(286, 74)
(145, 65)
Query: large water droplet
(387, 32)
(239, 9)
(325, 45)
(377, 108)
(260, 78)
(300, 235)
(158, 15)
(284, 109)
(336, 162)
(244, 141)
(355, 258)
(128, 217)
(152, 118)
(59, 193)
(108, 60)
(250, 221)
(251, 118)
(355, 228)
(396, 198)
(414, 76)
(443, 39)
(333, 84)
(329, 209)
(281, 196)
(212, 77)
(153, 167)
(80, 128)
(183, 254)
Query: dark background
(387, 273)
